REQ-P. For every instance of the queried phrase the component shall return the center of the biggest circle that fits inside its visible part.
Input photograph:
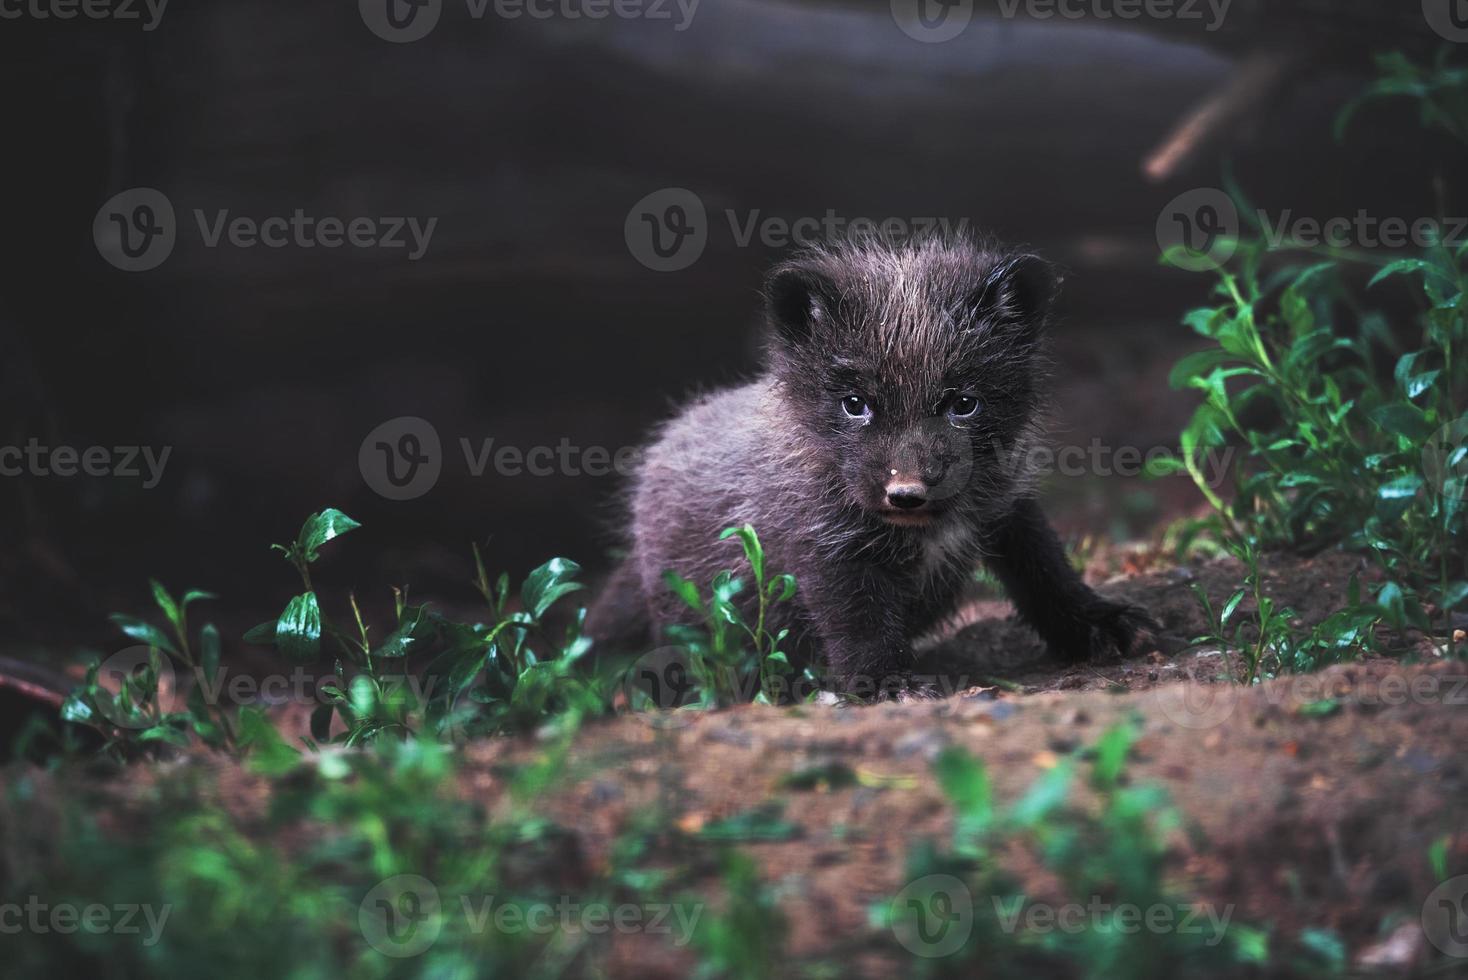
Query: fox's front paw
(908, 689)
(1105, 629)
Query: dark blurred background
(529, 317)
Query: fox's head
(915, 368)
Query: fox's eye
(963, 407)
(856, 407)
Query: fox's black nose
(906, 496)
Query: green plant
(1351, 438)
(1267, 641)
(474, 678)
(1106, 856)
(728, 655)
(135, 713)
(746, 937)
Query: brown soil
(1298, 818)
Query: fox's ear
(798, 302)
(1018, 291)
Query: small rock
(1396, 952)
(729, 737)
(1002, 710)
(1420, 762)
(603, 791)
(926, 743)
(1063, 743)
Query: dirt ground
(1307, 802)
(1302, 820)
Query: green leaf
(262, 635)
(1111, 752)
(269, 754)
(1326, 946)
(1205, 320)
(76, 709)
(548, 583)
(1405, 420)
(165, 602)
(321, 722)
(754, 552)
(144, 632)
(1157, 467)
(966, 783)
(321, 528)
(1047, 793)
(209, 651)
(1401, 266)
(1323, 708)
(1402, 487)
(1196, 365)
(761, 823)
(364, 696)
(298, 631)
(786, 586)
(1231, 606)
(1455, 594)
(164, 733)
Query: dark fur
(902, 326)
